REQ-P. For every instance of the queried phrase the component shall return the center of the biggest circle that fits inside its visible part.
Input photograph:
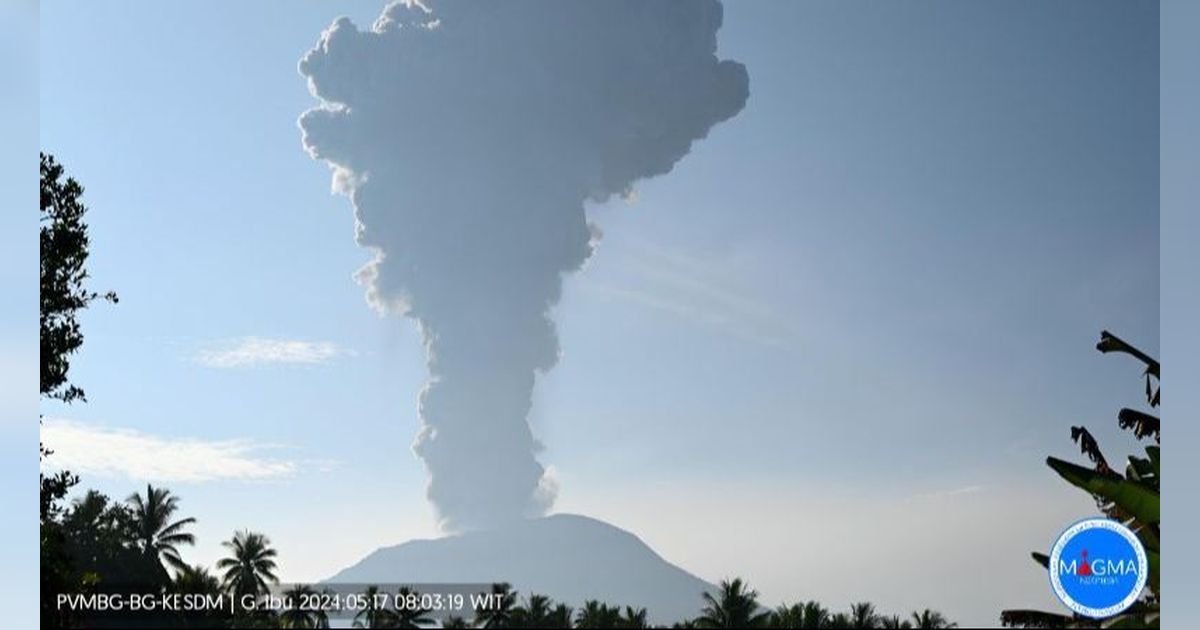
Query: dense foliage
(63, 236)
(1132, 498)
(64, 252)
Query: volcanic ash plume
(468, 135)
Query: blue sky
(18, 345)
(871, 295)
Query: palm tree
(410, 616)
(500, 611)
(157, 536)
(634, 618)
(800, 615)
(252, 565)
(735, 607)
(894, 622)
(196, 580)
(534, 614)
(370, 613)
(785, 616)
(839, 620)
(454, 621)
(595, 614)
(815, 615)
(88, 508)
(299, 613)
(931, 619)
(862, 615)
(561, 616)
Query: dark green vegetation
(134, 547)
(94, 545)
(64, 250)
(735, 605)
(1132, 498)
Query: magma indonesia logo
(1098, 567)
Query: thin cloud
(946, 494)
(718, 318)
(691, 288)
(260, 351)
(105, 451)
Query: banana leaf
(1141, 470)
(1153, 453)
(1134, 498)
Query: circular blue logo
(1098, 567)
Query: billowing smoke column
(468, 135)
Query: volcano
(568, 557)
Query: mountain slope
(569, 557)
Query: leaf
(1112, 343)
(1141, 470)
(1088, 446)
(1139, 501)
(1149, 537)
(1153, 453)
(1143, 424)
(1152, 559)
(1041, 559)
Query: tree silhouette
(251, 568)
(534, 613)
(815, 615)
(158, 537)
(736, 606)
(196, 580)
(409, 613)
(63, 237)
(595, 614)
(634, 618)
(894, 622)
(862, 615)
(785, 616)
(500, 613)
(371, 614)
(64, 253)
(930, 619)
(101, 544)
(297, 615)
(561, 616)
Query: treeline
(97, 546)
(734, 605)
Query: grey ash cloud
(468, 136)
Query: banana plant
(1131, 496)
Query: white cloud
(256, 351)
(105, 451)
